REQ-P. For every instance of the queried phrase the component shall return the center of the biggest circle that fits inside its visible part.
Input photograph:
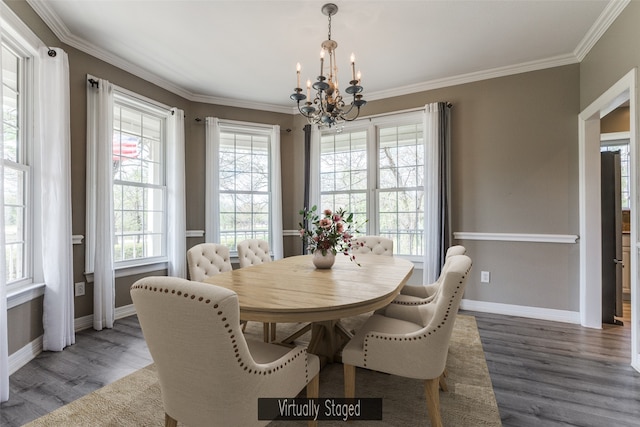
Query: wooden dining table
(292, 290)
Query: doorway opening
(590, 207)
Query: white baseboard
(86, 322)
(522, 311)
(25, 355)
(81, 323)
(125, 311)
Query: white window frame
(212, 221)
(140, 265)
(146, 108)
(371, 125)
(25, 43)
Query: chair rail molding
(195, 233)
(517, 237)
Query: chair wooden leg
(265, 332)
(313, 391)
(443, 382)
(433, 402)
(349, 381)
(273, 331)
(169, 422)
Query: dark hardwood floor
(556, 374)
(54, 379)
(543, 373)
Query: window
(401, 187)
(623, 147)
(17, 172)
(343, 172)
(243, 191)
(245, 199)
(385, 159)
(139, 185)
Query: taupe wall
(514, 166)
(614, 55)
(514, 170)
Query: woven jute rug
(135, 399)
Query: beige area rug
(135, 399)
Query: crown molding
(556, 61)
(613, 9)
(61, 31)
(606, 18)
(229, 102)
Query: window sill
(132, 270)
(24, 293)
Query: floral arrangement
(328, 232)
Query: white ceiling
(244, 52)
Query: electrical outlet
(485, 276)
(79, 289)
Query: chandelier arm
(328, 107)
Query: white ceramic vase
(323, 261)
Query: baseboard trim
(25, 355)
(125, 311)
(564, 316)
(86, 322)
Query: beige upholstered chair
(427, 291)
(254, 252)
(413, 347)
(207, 259)
(209, 374)
(372, 245)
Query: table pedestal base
(327, 340)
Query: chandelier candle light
(327, 107)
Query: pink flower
(325, 222)
(337, 218)
(327, 212)
(339, 227)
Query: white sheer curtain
(176, 204)
(314, 169)
(53, 145)
(276, 195)
(4, 344)
(431, 193)
(212, 222)
(212, 177)
(99, 228)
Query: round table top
(293, 290)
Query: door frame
(590, 213)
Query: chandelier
(327, 106)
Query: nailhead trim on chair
(232, 337)
(419, 337)
(423, 301)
